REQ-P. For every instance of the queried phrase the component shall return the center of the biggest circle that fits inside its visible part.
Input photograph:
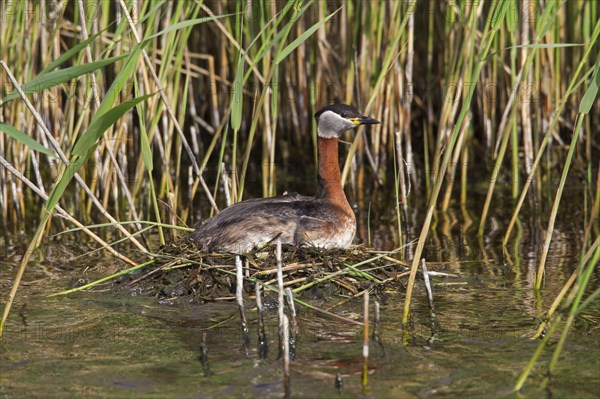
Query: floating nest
(181, 271)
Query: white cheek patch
(331, 125)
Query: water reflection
(118, 345)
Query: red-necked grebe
(325, 220)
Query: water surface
(114, 344)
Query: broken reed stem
(408, 104)
(430, 298)
(263, 343)
(225, 180)
(286, 356)
(294, 324)
(427, 285)
(339, 382)
(203, 357)
(377, 322)
(401, 181)
(239, 290)
(280, 301)
(365, 350)
(290, 303)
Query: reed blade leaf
(546, 45)
(86, 145)
(145, 147)
(68, 54)
(303, 37)
(512, 18)
(588, 99)
(587, 102)
(188, 23)
(498, 17)
(25, 139)
(54, 78)
(119, 83)
(237, 100)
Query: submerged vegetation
(130, 120)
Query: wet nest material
(180, 271)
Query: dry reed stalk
(401, 176)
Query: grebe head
(335, 119)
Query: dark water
(103, 344)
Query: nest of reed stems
(181, 271)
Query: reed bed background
(167, 111)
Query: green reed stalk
(149, 164)
(509, 116)
(397, 190)
(586, 105)
(574, 79)
(554, 306)
(496, 17)
(588, 263)
(529, 368)
(514, 140)
(550, 229)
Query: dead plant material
(182, 271)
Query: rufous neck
(329, 178)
